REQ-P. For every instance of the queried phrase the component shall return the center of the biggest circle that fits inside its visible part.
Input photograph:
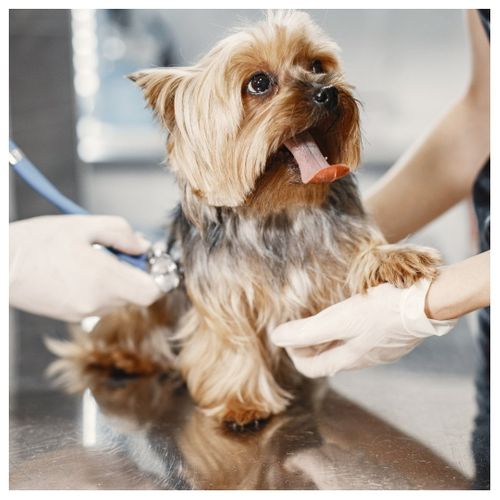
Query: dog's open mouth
(313, 166)
(303, 153)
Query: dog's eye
(260, 83)
(317, 67)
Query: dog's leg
(131, 340)
(229, 379)
(399, 264)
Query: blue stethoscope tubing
(27, 171)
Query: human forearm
(440, 170)
(460, 288)
(433, 176)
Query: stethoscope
(158, 262)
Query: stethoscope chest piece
(163, 268)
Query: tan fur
(272, 192)
(132, 339)
(400, 265)
(259, 247)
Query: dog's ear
(159, 86)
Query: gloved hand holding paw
(367, 329)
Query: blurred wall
(42, 110)
(42, 122)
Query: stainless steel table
(145, 433)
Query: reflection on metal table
(146, 433)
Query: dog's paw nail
(253, 425)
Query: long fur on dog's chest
(258, 271)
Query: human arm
(439, 171)
(460, 288)
(54, 270)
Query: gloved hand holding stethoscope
(55, 271)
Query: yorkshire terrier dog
(263, 139)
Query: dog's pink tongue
(312, 164)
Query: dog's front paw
(400, 265)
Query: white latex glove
(55, 271)
(378, 327)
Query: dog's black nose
(326, 96)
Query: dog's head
(266, 105)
